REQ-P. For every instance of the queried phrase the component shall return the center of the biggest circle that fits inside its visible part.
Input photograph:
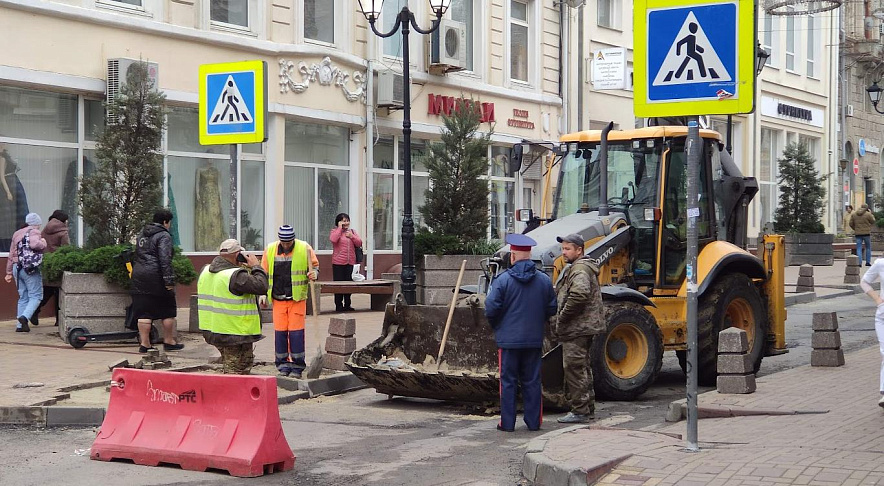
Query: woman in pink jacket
(344, 243)
(23, 266)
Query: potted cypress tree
(456, 207)
(800, 209)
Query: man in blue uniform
(517, 306)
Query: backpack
(28, 259)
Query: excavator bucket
(403, 360)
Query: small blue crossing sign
(692, 59)
(232, 102)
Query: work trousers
(520, 366)
(290, 351)
(237, 359)
(578, 375)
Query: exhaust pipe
(604, 210)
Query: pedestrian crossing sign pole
(694, 59)
(233, 102)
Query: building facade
(330, 149)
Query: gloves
(262, 301)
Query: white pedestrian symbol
(691, 58)
(230, 107)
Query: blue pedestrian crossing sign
(233, 102)
(694, 59)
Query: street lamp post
(371, 9)
(875, 96)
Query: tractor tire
(625, 359)
(732, 301)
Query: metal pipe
(580, 67)
(694, 147)
(604, 209)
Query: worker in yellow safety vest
(228, 309)
(291, 264)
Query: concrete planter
(809, 248)
(87, 301)
(437, 275)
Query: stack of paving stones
(851, 271)
(735, 370)
(340, 343)
(805, 279)
(153, 360)
(826, 340)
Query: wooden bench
(381, 292)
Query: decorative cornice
(325, 74)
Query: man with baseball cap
(228, 311)
(291, 263)
(579, 318)
(518, 305)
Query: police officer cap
(520, 242)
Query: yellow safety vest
(223, 312)
(300, 267)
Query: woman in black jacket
(153, 284)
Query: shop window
(419, 153)
(233, 12)
(333, 199)
(419, 186)
(251, 204)
(199, 198)
(182, 130)
(382, 216)
(316, 144)
(383, 154)
(502, 192)
(319, 20)
(38, 115)
(94, 119)
(519, 41)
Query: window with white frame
(502, 193)
(608, 12)
(232, 12)
(317, 179)
(811, 46)
(767, 38)
(464, 11)
(135, 3)
(387, 187)
(389, 16)
(768, 172)
(791, 41)
(319, 20)
(812, 145)
(519, 29)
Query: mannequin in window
(209, 227)
(13, 202)
(329, 199)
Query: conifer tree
(457, 201)
(801, 192)
(120, 196)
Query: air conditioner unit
(448, 47)
(391, 90)
(849, 110)
(118, 71)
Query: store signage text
(794, 112)
(446, 105)
(519, 120)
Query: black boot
(35, 319)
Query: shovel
(315, 367)
(450, 313)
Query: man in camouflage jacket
(580, 317)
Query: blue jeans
(30, 291)
(859, 246)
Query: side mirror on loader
(516, 156)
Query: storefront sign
(439, 105)
(520, 120)
(789, 110)
(872, 149)
(609, 68)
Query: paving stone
(826, 340)
(852, 261)
(734, 364)
(805, 282)
(120, 363)
(827, 357)
(340, 345)
(825, 321)
(736, 384)
(851, 270)
(851, 279)
(732, 340)
(805, 271)
(342, 327)
(334, 361)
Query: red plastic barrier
(197, 421)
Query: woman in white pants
(876, 274)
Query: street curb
(799, 298)
(49, 416)
(541, 470)
(328, 385)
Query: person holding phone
(344, 243)
(290, 263)
(153, 284)
(228, 312)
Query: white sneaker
(881, 401)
